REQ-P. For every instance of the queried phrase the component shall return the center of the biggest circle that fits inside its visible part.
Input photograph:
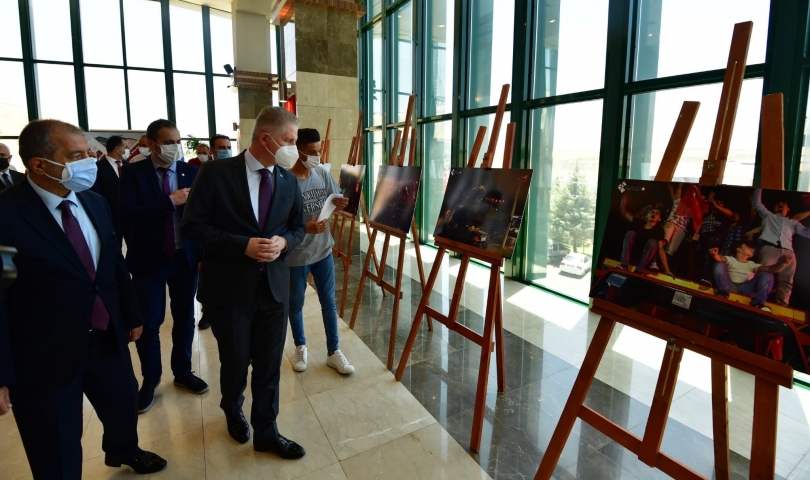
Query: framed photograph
(729, 262)
(351, 185)
(395, 196)
(484, 208)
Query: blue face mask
(77, 176)
(224, 154)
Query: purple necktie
(100, 318)
(265, 196)
(6, 179)
(168, 246)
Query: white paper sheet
(328, 207)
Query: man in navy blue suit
(246, 213)
(153, 195)
(69, 314)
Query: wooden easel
(396, 159)
(769, 374)
(493, 318)
(339, 223)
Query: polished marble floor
(367, 425)
(362, 426)
(546, 339)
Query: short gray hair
(272, 120)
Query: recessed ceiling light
(649, 35)
(441, 26)
(552, 21)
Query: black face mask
(3, 163)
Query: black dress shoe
(203, 324)
(142, 462)
(238, 427)
(282, 447)
(146, 397)
(192, 383)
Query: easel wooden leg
(766, 416)
(347, 266)
(383, 260)
(392, 342)
(722, 461)
(577, 397)
(662, 400)
(415, 236)
(363, 279)
(483, 368)
(370, 236)
(420, 311)
(499, 351)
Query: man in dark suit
(70, 312)
(153, 195)
(107, 180)
(246, 214)
(8, 177)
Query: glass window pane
(374, 145)
(11, 46)
(570, 45)
(144, 32)
(56, 87)
(222, 40)
(191, 105)
(804, 169)
(147, 98)
(491, 31)
(13, 103)
(375, 62)
(101, 32)
(50, 21)
(670, 35)
(402, 61)
(565, 158)
(273, 50)
(226, 105)
(374, 7)
(437, 139)
(439, 58)
(106, 99)
(290, 65)
(473, 124)
(187, 36)
(654, 116)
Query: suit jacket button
(96, 289)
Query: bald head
(5, 157)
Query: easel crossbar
(748, 362)
(453, 325)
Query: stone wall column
(326, 75)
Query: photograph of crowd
(395, 196)
(484, 208)
(741, 244)
(351, 185)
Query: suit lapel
(34, 211)
(151, 176)
(278, 179)
(240, 174)
(183, 181)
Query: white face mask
(170, 153)
(77, 176)
(202, 158)
(126, 153)
(143, 151)
(285, 156)
(312, 161)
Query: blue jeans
(647, 255)
(758, 288)
(323, 271)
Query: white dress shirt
(777, 229)
(52, 202)
(114, 164)
(254, 179)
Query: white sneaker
(300, 363)
(338, 361)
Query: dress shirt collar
(52, 201)
(253, 165)
(172, 168)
